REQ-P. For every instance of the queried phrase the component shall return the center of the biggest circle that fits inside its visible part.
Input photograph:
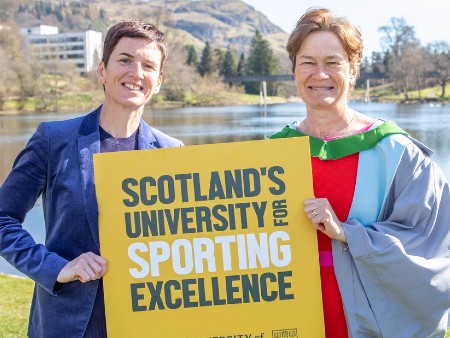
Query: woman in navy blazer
(57, 163)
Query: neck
(329, 125)
(119, 123)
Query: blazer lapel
(89, 144)
(146, 137)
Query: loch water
(428, 123)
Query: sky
(429, 17)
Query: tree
(240, 70)
(377, 62)
(228, 65)
(206, 65)
(26, 81)
(179, 78)
(17, 75)
(218, 59)
(10, 52)
(397, 35)
(405, 67)
(439, 56)
(191, 59)
(261, 61)
(7, 9)
(414, 60)
(8, 77)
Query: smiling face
(322, 71)
(133, 73)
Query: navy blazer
(57, 163)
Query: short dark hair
(133, 29)
(320, 20)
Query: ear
(158, 85)
(353, 73)
(101, 73)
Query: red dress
(335, 180)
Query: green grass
(386, 93)
(73, 102)
(15, 303)
(88, 100)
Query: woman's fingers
(86, 267)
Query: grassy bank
(15, 304)
(86, 101)
(385, 93)
(15, 299)
(90, 100)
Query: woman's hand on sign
(86, 267)
(323, 218)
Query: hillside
(222, 23)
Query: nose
(136, 70)
(320, 71)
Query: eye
(149, 66)
(337, 63)
(125, 61)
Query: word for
(192, 293)
(186, 256)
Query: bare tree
(7, 75)
(402, 47)
(179, 78)
(26, 80)
(7, 78)
(397, 35)
(21, 74)
(439, 56)
(7, 9)
(415, 63)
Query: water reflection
(429, 124)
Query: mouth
(320, 89)
(132, 86)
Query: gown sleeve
(399, 266)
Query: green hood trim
(345, 146)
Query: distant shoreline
(175, 105)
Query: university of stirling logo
(285, 333)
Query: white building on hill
(54, 50)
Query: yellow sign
(209, 241)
